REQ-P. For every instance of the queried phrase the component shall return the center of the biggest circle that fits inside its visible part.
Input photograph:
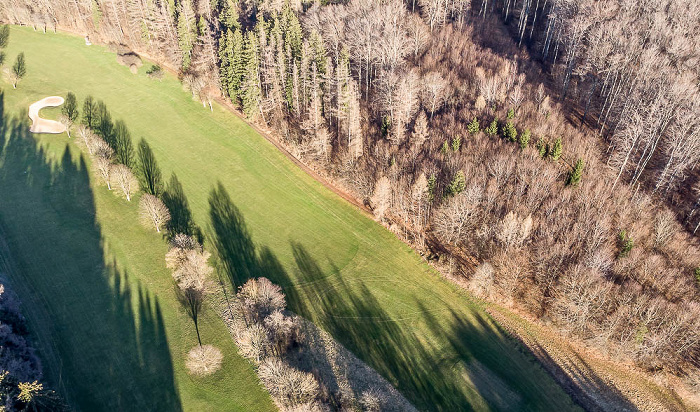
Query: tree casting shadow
(102, 342)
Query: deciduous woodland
(545, 151)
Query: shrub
(155, 72)
(626, 244)
(697, 275)
(492, 128)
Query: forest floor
(75, 242)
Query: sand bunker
(40, 125)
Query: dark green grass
(339, 268)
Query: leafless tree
(434, 92)
(125, 179)
(290, 386)
(203, 360)
(153, 211)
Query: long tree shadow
(102, 343)
(464, 363)
(351, 315)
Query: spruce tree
(556, 151)
(251, 94)
(458, 184)
(492, 128)
(541, 147)
(473, 126)
(456, 143)
(124, 146)
(524, 139)
(575, 174)
(186, 31)
(510, 132)
(89, 112)
(319, 52)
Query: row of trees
(162, 208)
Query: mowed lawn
(339, 268)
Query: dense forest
(545, 152)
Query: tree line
(465, 144)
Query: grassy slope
(340, 269)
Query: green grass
(339, 268)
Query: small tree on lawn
(19, 69)
(125, 179)
(153, 211)
(69, 111)
(149, 172)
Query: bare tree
(153, 211)
(125, 179)
(203, 360)
(434, 92)
(290, 386)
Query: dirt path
(41, 125)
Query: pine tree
(511, 114)
(575, 174)
(456, 143)
(492, 128)
(229, 15)
(89, 112)
(473, 126)
(510, 132)
(292, 33)
(524, 139)
(556, 151)
(124, 145)
(542, 147)
(432, 186)
(458, 184)
(251, 94)
(186, 31)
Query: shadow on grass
(102, 341)
(437, 370)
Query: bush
(697, 275)
(155, 72)
(626, 244)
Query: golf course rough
(339, 268)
